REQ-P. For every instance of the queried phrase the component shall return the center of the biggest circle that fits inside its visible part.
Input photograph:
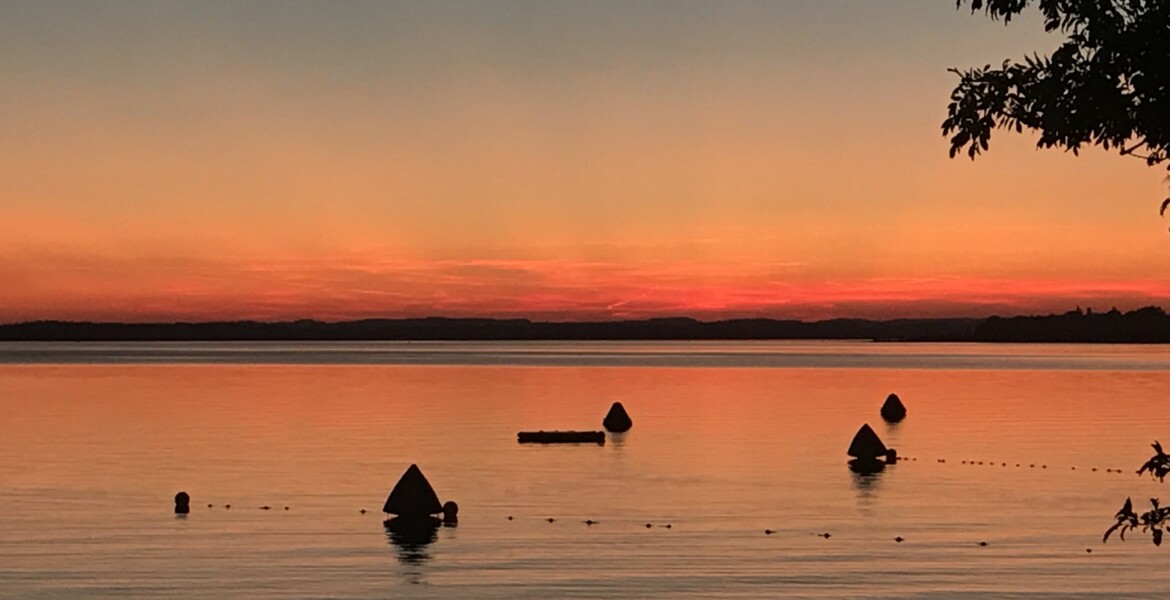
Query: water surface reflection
(411, 537)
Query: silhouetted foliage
(1154, 520)
(1158, 465)
(1108, 84)
(1142, 326)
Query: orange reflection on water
(687, 420)
(719, 453)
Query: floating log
(617, 420)
(893, 411)
(413, 496)
(561, 437)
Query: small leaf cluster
(1153, 520)
(1159, 463)
(1108, 84)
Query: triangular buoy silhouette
(867, 445)
(617, 420)
(412, 496)
(893, 410)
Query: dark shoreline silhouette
(1146, 325)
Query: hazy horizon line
(585, 321)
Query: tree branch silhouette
(1107, 85)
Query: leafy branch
(1153, 520)
(1107, 84)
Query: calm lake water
(729, 439)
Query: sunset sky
(545, 159)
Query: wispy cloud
(341, 287)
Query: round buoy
(182, 503)
(450, 512)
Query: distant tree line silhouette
(1146, 325)
(440, 328)
(1149, 325)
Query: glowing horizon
(575, 161)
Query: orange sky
(551, 160)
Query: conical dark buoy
(893, 411)
(617, 420)
(182, 503)
(412, 497)
(869, 454)
(867, 445)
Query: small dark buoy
(509, 517)
(286, 508)
(826, 535)
(450, 512)
(982, 543)
(550, 519)
(617, 420)
(1094, 469)
(589, 521)
(265, 507)
(1043, 466)
(893, 411)
(182, 503)
(1088, 550)
(768, 532)
(899, 539)
(227, 506)
(362, 511)
(210, 506)
(667, 526)
(648, 526)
